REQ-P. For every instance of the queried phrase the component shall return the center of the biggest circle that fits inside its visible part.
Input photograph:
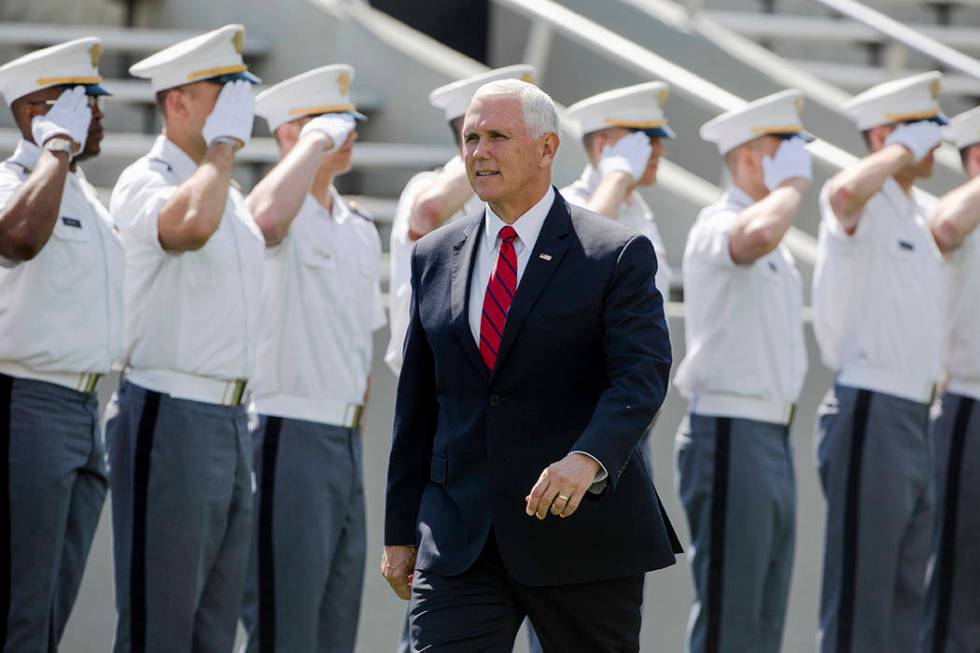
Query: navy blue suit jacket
(583, 365)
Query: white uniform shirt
(878, 296)
(321, 302)
(634, 212)
(746, 355)
(400, 281)
(963, 340)
(61, 312)
(194, 312)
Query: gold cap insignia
(662, 95)
(95, 54)
(238, 40)
(934, 89)
(529, 78)
(799, 102)
(343, 83)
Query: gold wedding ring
(563, 498)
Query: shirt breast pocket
(317, 256)
(69, 253)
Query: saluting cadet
(179, 448)
(434, 198)
(623, 132)
(322, 301)
(952, 622)
(742, 375)
(878, 292)
(61, 267)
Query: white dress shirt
(963, 340)
(400, 280)
(322, 301)
(61, 312)
(193, 313)
(878, 296)
(528, 228)
(633, 212)
(746, 355)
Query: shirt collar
(26, 155)
(527, 226)
(738, 197)
(179, 161)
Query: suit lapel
(463, 257)
(552, 243)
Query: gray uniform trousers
(875, 458)
(736, 481)
(180, 475)
(952, 619)
(306, 570)
(52, 488)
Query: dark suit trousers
(482, 610)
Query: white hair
(540, 113)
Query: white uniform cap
(777, 114)
(455, 98)
(321, 90)
(964, 129)
(72, 63)
(216, 56)
(634, 107)
(901, 100)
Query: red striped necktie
(500, 294)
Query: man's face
(198, 101)
(971, 160)
(918, 170)
(500, 155)
(612, 135)
(40, 102)
(337, 160)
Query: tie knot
(507, 234)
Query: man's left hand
(561, 486)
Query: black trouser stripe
(719, 510)
(852, 513)
(947, 544)
(6, 385)
(267, 565)
(141, 488)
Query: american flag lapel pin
(544, 257)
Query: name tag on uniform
(71, 222)
(906, 245)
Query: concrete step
(136, 40)
(265, 151)
(857, 78)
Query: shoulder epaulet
(359, 211)
(159, 164)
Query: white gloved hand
(918, 137)
(791, 161)
(233, 113)
(629, 154)
(338, 126)
(69, 117)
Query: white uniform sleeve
(709, 240)
(835, 232)
(399, 282)
(9, 183)
(136, 204)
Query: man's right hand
(233, 113)
(629, 154)
(398, 567)
(919, 138)
(336, 126)
(69, 118)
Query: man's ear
(549, 148)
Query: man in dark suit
(537, 353)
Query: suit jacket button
(494, 400)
